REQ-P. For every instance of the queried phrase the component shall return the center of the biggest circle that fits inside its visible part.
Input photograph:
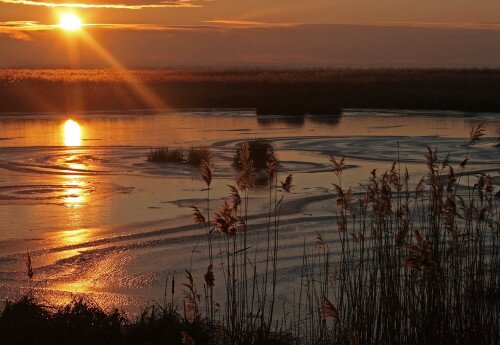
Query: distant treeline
(291, 91)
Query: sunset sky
(157, 33)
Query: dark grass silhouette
(166, 155)
(194, 156)
(198, 154)
(26, 321)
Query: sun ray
(141, 90)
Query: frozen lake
(77, 191)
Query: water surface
(76, 189)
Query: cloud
(445, 25)
(22, 30)
(153, 27)
(248, 24)
(126, 4)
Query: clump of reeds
(198, 154)
(195, 155)
(166, 155)
(260, 152)
(418, 262)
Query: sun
(70, 22)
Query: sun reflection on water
(71, 237)
(74, 194)
(72, 133)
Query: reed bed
(271, 91)
(419, 262)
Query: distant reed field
(288, 91)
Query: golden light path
(74, 195)
(72, 133)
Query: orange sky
(250, 32)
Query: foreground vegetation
(407, 262)
(27, 321)
(293, 92)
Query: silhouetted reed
(419, 263)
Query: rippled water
(76, 189)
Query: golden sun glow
(70, 22)
(72, 133)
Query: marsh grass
(271, 91)
(418, 265)
(27, 321)
(260, 153)
(414, 262)
(166, 155)
(195, 155)
(418, 262)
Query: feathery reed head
(476, 133)
(206, 172)
(198, 218)
(286, 185)
(328, 310)
(272, 166)
(235, 197)
(224, 221)
(338, 166)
